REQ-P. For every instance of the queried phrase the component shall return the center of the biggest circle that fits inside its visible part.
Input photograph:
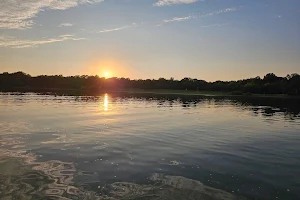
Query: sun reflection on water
(105, 102)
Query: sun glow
(108, 68)
(106, 74)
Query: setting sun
(106, 74)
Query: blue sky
(209, 39)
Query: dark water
(139, 147)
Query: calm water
(133, 147)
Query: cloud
(117, 29)
(65, 25)
(173, 2)
(19, 14)
(219, 12)
(197, 16)
(178, 19)
(12, 42)
(214, 25)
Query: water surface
(143, 147)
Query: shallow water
(142, 147)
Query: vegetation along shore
(269, 85)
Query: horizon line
(134, 79)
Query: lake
(117, 146)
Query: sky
(203, 39)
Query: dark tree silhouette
(22, 82)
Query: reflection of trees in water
(264, 106)
(269, 107)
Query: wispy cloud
(12, 42)
(65, 25)
(198, 16)
(214, 25)
(178, 19)
(173, 2)
(19, 14)
(220, 11)
(117, 29)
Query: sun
(106, 74)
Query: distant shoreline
(268, 86)
(86, 92)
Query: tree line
(269, 84)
